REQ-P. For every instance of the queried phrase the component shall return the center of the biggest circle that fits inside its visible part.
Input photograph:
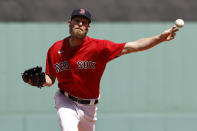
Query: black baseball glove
(34, 76)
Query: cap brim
(81, 16)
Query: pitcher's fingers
(174, 28)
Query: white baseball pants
(74, 116)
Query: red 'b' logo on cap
(82, 11)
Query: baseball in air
(179, 23)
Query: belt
(80, 101)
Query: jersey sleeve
(49, 67)
(111, 49)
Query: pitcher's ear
(69, 21)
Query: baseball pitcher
(78, 63)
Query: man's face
(79, 27)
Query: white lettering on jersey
(86, 64)
(62, 66)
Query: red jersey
(79, 69)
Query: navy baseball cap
(81, 12)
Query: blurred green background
(154, 90)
